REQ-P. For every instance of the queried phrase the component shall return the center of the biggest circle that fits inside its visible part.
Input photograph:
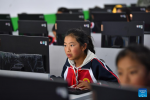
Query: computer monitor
(133, 5)
(121, 34)
(12, 88)
(39, 17)
(26, 45)
(79, 10)
(100, 10)
(100, 92)
(6, 17)
(99, 17)
(5, 27)
(111, 6)
(138, 9)
(32, 28)
(74, 16)
(142, 17)
(64, 26)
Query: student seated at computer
(133, 64)
(59, 11)
(127, 11)
(129, 18)
(51, 40)
(115, 9)
(148, 9)
(82, 66)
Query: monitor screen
(100, 10)
(142, 17)
(99, 17)
(39, 17)
(64, 26)
(138, 9)
(121, 34)
(111, 6)
(32, 89)
(133, 5)
(74, 16)
(5, 27)
(75, 10)
(6, 17)
(121, 93)
(32, 28)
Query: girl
(82, 66)
(133, 65)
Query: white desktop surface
(31, 75)
(85, 96)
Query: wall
(50, 6)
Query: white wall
(50, 6)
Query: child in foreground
(82, 67)
(133, 64)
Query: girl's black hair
(139, 53)
(81, 38)
(63, 10)
(148, 8)
(127, 11)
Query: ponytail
(82, 38)
(90, 45)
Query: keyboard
(77, 91)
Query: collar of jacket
(89, 57)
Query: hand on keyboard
(83, 85)
(77, 91)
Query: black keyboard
(77, 91)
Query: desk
(31, 75)
(85, 96)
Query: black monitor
(121, 34)
(138, 9)
(6, 17)
(64, 26)
(111, 6)
(39, 17)
(100, 92)
(26, 45)
(74, 16)
(79, 10)
(133, 5)
(5, 27)
(142, 17)
(99, 17)
(32, 28)
(100, 10)
(32, 89)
